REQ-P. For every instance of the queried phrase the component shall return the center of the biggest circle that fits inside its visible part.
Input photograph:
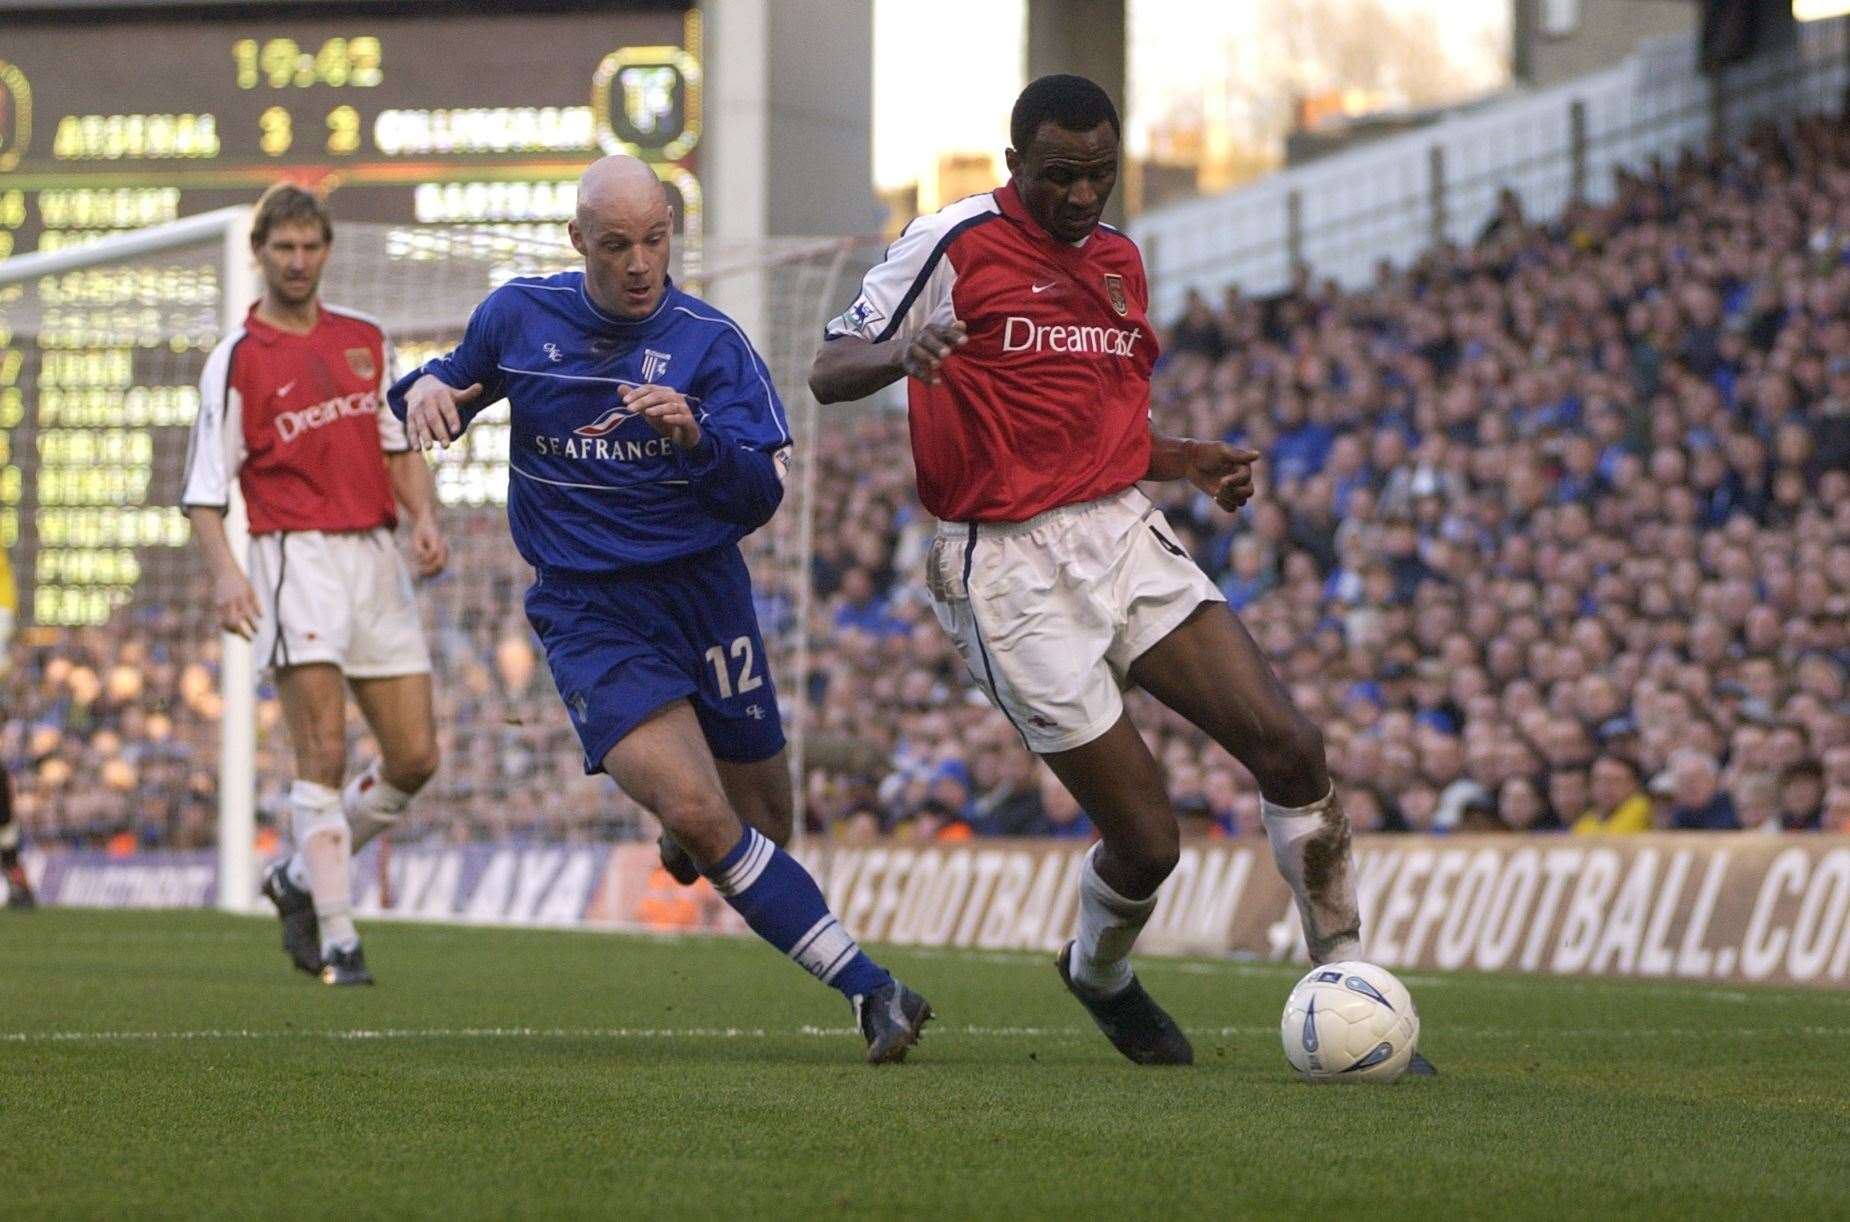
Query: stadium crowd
(1553, 533)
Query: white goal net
(130, 718)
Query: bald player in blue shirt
(646, 440)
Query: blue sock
(783, 905)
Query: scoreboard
(478, 117)
(130, 121)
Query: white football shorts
(342, 597)
(1049, 614)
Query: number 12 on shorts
(741, 649)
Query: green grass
(518, 1073)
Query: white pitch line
(371, 1034)
(1633, 985)
(1257, 969)
(388, 1033)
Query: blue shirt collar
(669, 292)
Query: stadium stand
(1554, 531)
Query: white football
(1350, 1022)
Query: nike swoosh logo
(283, 391)
(1042, 288)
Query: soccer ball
(1350, 1022)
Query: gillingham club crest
(654, 364)
(1114, 289)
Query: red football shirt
(301, 422)
(1048, 402)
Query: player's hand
(433, 411)
(1224, 472)
(667, 412)
(429, 547)
(236, 602)
(930, 348)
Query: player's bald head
(620, 190)
(624, 229)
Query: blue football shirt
(592, 488)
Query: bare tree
(1397, 52)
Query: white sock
(1311, 846)
(372, 804)
(324, 846)
(1108, 926)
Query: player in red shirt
(1022, 325)
(292, 406)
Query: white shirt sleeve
(911, 287)
(215, 452)
(392, 437)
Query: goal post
(237, 751)
(220, 240)
(107, 343)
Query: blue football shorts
(624, 645)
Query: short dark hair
(1802, 770)
(1626, 762)
(1071, 102)
(284, 203)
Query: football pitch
(171, 1064)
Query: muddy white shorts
(343, 598)
(1049, 614)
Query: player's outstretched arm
(436, 412)
(439, 398)
(232, 594)
(849, 367)
(1223, 471)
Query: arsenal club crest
(1114, 289)
(360, 360)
